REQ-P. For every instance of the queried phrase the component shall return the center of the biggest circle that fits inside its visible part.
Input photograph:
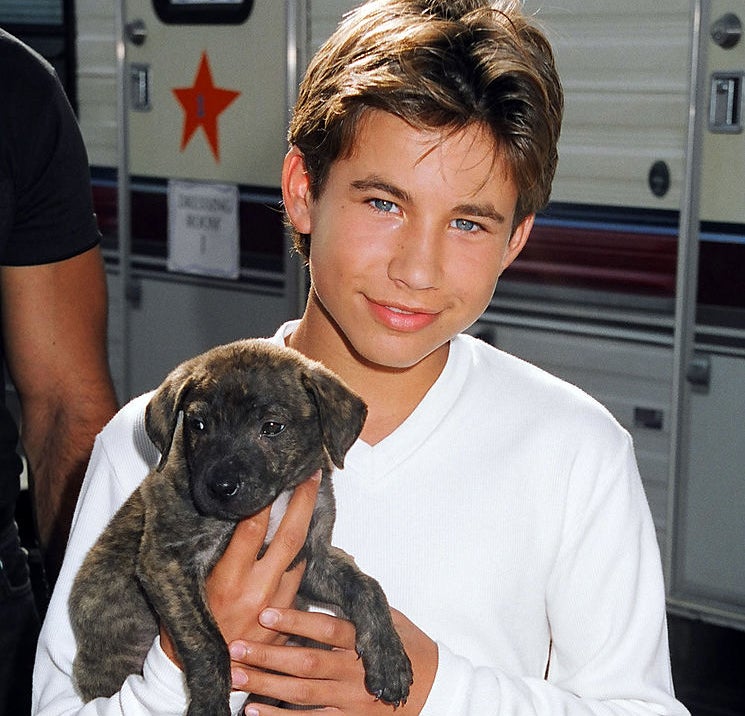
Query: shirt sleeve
(53, 217)
(606, 607)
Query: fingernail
(238, 678)
(269, 617)
(316, 476)
(237, 651)
(251, 711)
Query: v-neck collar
(386, 455)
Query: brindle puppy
(237, 427)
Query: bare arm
(54, 326)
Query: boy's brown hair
(436, 64)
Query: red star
(202, 105)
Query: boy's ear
(296, 191)
(517, 241)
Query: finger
(241, 552)
(281, 590)
(293, 528)
(320, 628)
(324, 628)
(301, 692)
(307, 677)
(284, 596)
(263, 710)
(268, 710)
(303, 662)
(289, 583)
(248, 538)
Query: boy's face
(409, 236)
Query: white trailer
(632, 285)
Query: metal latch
(139, 86)
(725, 102)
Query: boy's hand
(241, 586)
(308, 676)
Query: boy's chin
(396, 357)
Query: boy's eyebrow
(486, 210)
(378, 184)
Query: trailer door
(207, 89)
(204, 91)
(708, 447)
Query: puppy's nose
(225, 487)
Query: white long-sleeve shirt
(505, 517)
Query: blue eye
(272, 429)
(464, 225)
(384, 205)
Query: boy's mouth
(402, 318)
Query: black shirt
(46, 208)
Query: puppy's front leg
(196, 638)
(331, 576)
(175, 553)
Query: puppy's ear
(161, 413)
(342, 413)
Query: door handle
(698, 373)
(727, 31)
(136, 32)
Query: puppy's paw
(388, 672)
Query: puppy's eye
(196, 424)
(272, 428)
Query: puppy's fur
(237, 428)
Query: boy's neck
(391, 394)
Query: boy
(500, 508)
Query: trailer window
(31, 12)
(203, 12)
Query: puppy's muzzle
(224, 487)
(232, 489)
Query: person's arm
(605, 603)
(54, 327)
(334, 677)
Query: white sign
(203, 229)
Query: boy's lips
(402, 318)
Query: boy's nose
(415, 260)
